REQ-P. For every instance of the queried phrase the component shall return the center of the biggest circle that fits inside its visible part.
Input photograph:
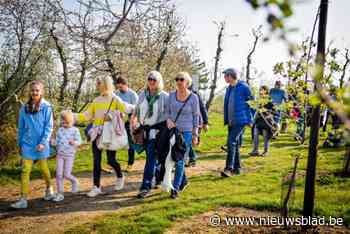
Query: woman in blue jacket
(35, 126)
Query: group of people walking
(171, 124)
(153, 109)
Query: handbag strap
(109, 108)
(182, 107)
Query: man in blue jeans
(237, 114)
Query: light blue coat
(35, 129)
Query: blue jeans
(180, 177)
(192, 155)
(233, 145)
(150, 165)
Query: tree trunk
(345, 66)
(82, 76)
(307, 73)
(216, 68)
(63, 60)
(309, 195)
(257, 35)
(165, 48)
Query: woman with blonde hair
(97, 113)
(35, 125)
(183, 114)
(150, 112)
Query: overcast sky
(240, 19)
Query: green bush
(8, 144)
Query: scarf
(151, 99)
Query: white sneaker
(20, 204)
(58, 197)
(75, 187)
(94, 192)
(119, 184)
(49, 195)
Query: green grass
(259, 188)
(10, 173)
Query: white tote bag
(110, 140)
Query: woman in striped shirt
(97, 112)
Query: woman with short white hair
(150, 112)
(97, 112)
(183, 114)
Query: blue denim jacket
(242, 114)
(34, 129)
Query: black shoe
(226, 173)
(236, 171)
(183, 187)
(192, 163)
(254, 153)
(158, 183)
(224, 148)
(173, 194)
(143, 194)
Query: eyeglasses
(179, 79)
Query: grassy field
(258, 187)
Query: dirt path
(48, 217)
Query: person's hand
(133, 122)
(40, 147)
(205, 127)
(170, 124)
(71, 142)
(195, 140)
(107, 117)
(52, 141)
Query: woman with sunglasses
(186, 122)
(150, 111)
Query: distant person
(278, 97)
(264, 123)
(237, 114)
(35, 126)
(129, 96)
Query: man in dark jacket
(237, 114)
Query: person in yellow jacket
(97, 113)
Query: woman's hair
(32, 107)
(186, 76)
(108, 85)
(158, 77)
(68, 116)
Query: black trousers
(111, 160)
(131, 151)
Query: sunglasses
(151, 79)
(179, 79)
